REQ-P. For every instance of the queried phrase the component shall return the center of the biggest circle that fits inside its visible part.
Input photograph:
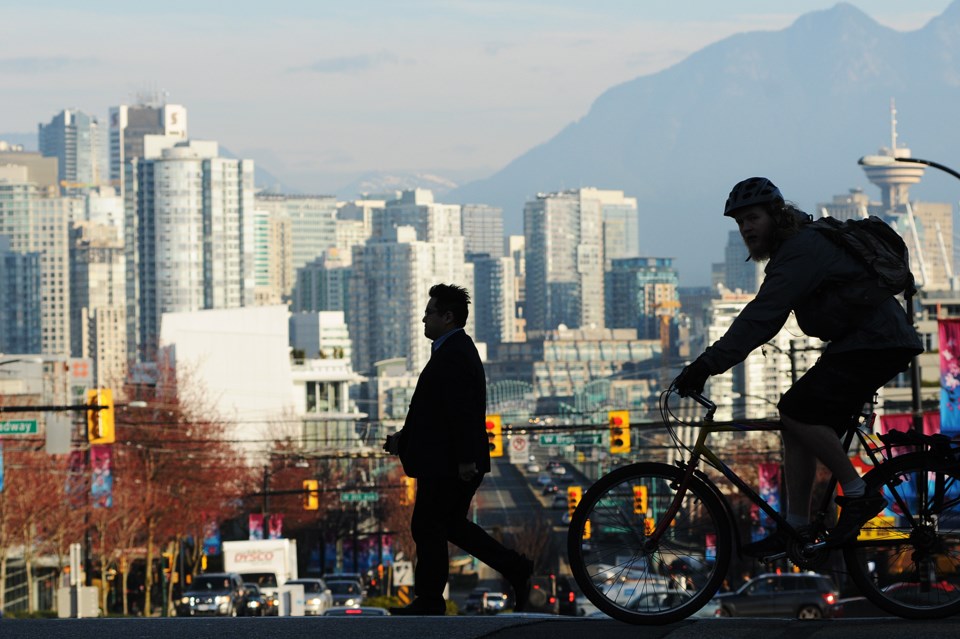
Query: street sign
(18, 427)
(403, 573)
(353, 497)
(575, 439)
(519, 447)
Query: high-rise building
(641, 293)
(98, 301)
(74, 138)
(740, 273)
(36, 223)
(516, 248)
(313, 227)
(130, 124)
(20, 294)
(494, 301)
(482, 228)
(273, 258)
(416, 243)
(323, 284)
(621, 226)
(564, 260)
(190, 237)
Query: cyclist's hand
(692, 379)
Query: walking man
(443, 444)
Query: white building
(239, 360)
(190, 236)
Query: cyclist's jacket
(806, 275)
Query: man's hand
(392, 444)
(467, 470)
(692, 379)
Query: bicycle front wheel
(627, 575)
(907, 559)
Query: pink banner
(769, 484)
(949, 335)
(275, 526)
(256, 526)
(101, 475)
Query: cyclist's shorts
(834, 390)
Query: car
(317, 598)
(474, 602)
(558, 470)
(344, 576)
(345, 592)
(559, 501)
(657, 599)
(493, 602)
(254, 601)
(798, 595)
(543, 480)
(213, 594)
(355, 611)
(565, 518)
(550, 489)
(533, 467)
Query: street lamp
(887, 160)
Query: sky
(320, 92)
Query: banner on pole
(101, 478)
(769, 484)
(256, 526)
(949, 335)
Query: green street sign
(576, 439)
(354, 497)
(19, 427)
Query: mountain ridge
(800, 105)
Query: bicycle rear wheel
(627, 576)
(907, 559)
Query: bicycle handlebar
(706, 403)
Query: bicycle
(644, 528)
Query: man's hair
(453, 298)
(788, 218)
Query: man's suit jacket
(446, 421)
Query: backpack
(878, 247)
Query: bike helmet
(755, 190)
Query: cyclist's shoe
(854, 513)
(775, 544)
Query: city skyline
(331, 93)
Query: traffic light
(619, 431)
(408, 491)
(311, 494)
(640, 500)
(100, 423)
(574, 493)
(495, 435)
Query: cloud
(351, 64)
(28, 65)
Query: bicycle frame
(702, 452)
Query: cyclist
(867, 347)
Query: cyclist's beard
(762, 248)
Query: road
(498, 627)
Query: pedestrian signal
(100, 420)
(311, 494)
(495, 435)
(619, 431)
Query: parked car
(493, 602)
(254, 601)
(803, 596)
(213, 594)
(474, 602)
(359, 611)
(666, 598)
(317, 598)
(345, 592)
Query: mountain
(380, 182)
(799, 106)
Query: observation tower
(894, 179)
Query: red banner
(256, 526)
(949, 336)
